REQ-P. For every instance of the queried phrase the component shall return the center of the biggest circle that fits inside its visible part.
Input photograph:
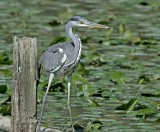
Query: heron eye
(81, 22)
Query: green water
(116, 65)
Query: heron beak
(96, 25)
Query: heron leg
(68, 101)
(51, 76)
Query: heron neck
(76, 40)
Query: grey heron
(62, 59)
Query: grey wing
(52, 60)
(68, 49)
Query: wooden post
(24, 96)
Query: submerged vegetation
(116, 86)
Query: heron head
(83, 22)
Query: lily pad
(3, 89)
(54, 23)
(58, 40)
(94, 126)
(5, 59)
(143, 112)
(93, 103)
(143, 79)
(128, 106)
(78, 127)
(118, 77)
(6, 107)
